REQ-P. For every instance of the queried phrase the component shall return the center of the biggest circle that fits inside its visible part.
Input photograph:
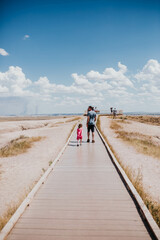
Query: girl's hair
(80, 125)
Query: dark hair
(90, 107)
(80, 125)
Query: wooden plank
(46, 237)
(83, 232)
(81, 224)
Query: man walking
(91, 118)
(114, 113)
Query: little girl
(79, 134)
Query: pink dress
(79, 133)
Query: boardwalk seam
(10, 224)
(144, 210)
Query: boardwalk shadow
(74, 143)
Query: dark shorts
(91, 127)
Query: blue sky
(61, 56)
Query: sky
(60, 56)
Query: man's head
(90, 108)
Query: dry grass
(18, 146)
(71, 131)
(5, 218)
(65, 121)
(27, 118)
(98, 124)
(136, 180)
(114, 125)
(153, 120)
(123, 121)
(23, 128)
(13, 207)
(142, 143)
(73, 119)
(58, 123)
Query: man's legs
(91, 127)
(88, 133)
(92, 136)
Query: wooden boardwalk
(82, 199)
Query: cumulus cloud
(3, 89)
(149, 77)
(122, 68)
(112, 76)
(150, 72)
(111, 87)
(3, 52)
(26, 37)
(15, 81)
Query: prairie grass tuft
(123, 121)
(153, 120)
(142, 143)
(18, 146)
(137, 181)
(73, 119)
(71, 131)
(50, 163)
(114, 125)
(5, 218)
(13, 208)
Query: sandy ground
(147, 165)
(19, 173)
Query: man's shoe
(93, 141)
(88, 140)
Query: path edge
(153, 227)
(26, 202)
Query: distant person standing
(114, 113)
(91, 119)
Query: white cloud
(15, 81)
(150, 72)
(15, 75)
(81, 80)
(122, 67)
(26, 37)
(111, 87)
(3, 89)
(112, 76)
(149, 77)
(3, 52)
